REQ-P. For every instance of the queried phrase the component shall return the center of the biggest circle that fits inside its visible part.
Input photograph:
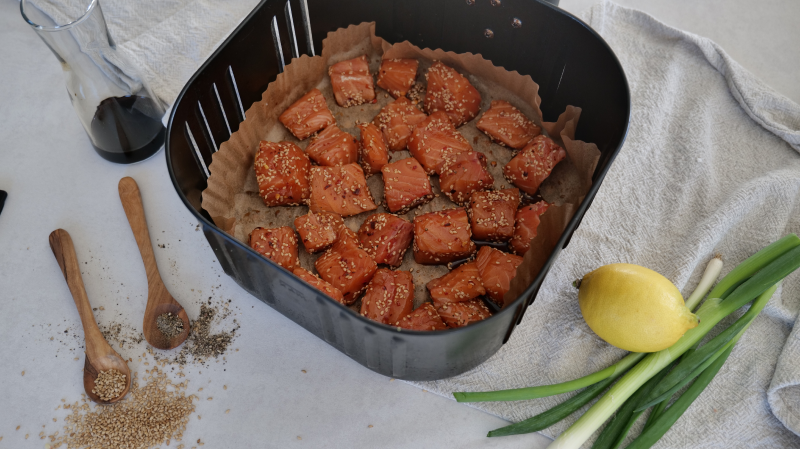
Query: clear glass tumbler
(118, 111)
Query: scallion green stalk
(518, 394)
(753, 264)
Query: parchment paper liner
(232, 195)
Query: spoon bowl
(159, 300)
(91, 369)
(99, 354)
(157, 338)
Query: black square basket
(571, 63)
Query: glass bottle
(118, 111)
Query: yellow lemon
(634, 308)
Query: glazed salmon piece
(533, 164)
(352, 82)
(424, 318)
(460, 314)
(307, 115)
(433, 139)
(282, 174)
(278, 245)
(318, 230)
(346, 266)
(319, 284)
(341, 190)
(333, 147)
(451, 92)
(507, 126)
(405, 185)
(492, 214)
(442, 236)
(497, 269)
(386, 237)
(374, 152)
(396, 76)
(527, 220)
(463, 174)
(461, 284)
(389, 296)
(397, 121)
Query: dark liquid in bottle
(127, 129)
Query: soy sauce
(127, 129)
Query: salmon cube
(341, 190)
(352, 82)
(374, 152)
(318, 231)
(346, 266)
(527, 220)
(397, 121)
(424, 318)
(405, 185)
(460, 314)
(389, 296)
(442, 236)
(278, 245)
(282, 174)
(461, 284)
(463, 174)
(507, 126)
(497, 269)
(396, 76)
(307, 115)
(319, 284)
(451, 92)
(531, 166)
(492, 214)
(386, 237)
(333, 147)
(435, 138)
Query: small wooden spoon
(159, 301)
(99, 355)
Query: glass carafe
(118, 111)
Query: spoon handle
(134, 210)
(64, 250)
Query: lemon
(634, 308)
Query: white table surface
(55, 180)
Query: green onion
(710, 313)
(666, 390)
(657, 411)
(660, 425)
(518, 394)
(753, 264)
(549, 417)
(619, 424)
(710, 276)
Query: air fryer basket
(570, 62)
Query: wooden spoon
(159, 301)
(99, 355)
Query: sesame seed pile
(150, 416)
(169, 325)
(109, 384)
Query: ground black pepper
(170, 325)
